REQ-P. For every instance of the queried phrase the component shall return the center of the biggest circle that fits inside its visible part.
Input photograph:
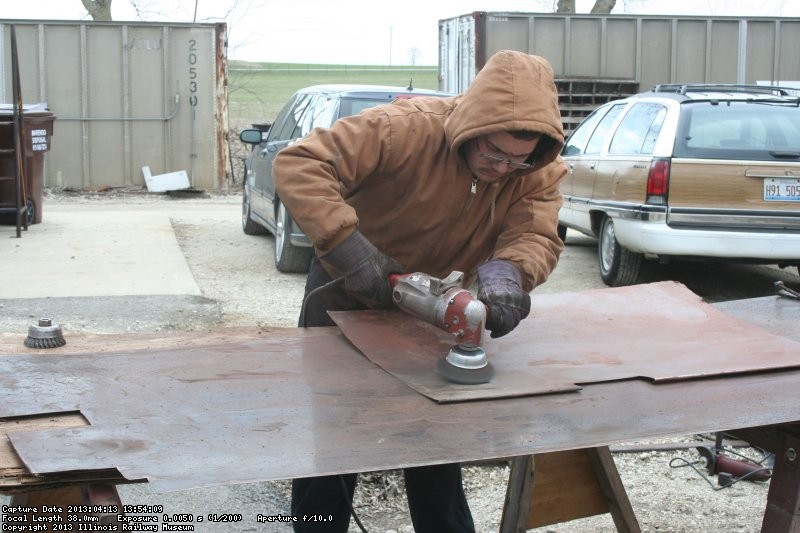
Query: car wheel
(562, 233)
(288, 258)
(618, 266)
(250, 226)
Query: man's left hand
(500, 288)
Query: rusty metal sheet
(336, 412)
(659, 331)
(300, 403)
(214, 403)
(295, 403)
(408, 349)
(777, 314)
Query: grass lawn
(257, 91)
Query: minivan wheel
(249, 226)
(288, 258)
(618, 266)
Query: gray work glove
(500, 288)
(365, 270)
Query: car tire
(562, 232)
(30, 211)
(250, 226)
(618, 266)
(288, 258)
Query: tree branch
(98, 9)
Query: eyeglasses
(510, 163)
(497, 159)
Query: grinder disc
(467, 367)
(45, 334)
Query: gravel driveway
(239, 285)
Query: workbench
(288, 403)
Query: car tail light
(658, 182)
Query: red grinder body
(444, 303)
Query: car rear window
(739, 130)
(352, 106)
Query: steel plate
(659, 332)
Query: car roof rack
(683, 88)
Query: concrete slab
(94, 252)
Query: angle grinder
(444, 303)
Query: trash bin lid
(32, 110)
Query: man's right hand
(365, 270)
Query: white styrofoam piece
(171, 181)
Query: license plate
(782, 189)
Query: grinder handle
(394, 278)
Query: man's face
(493, 156)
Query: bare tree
(414, 54)
(603, 6)
(98, 9)
(565, 6)
(600, 6)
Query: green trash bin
(37, 126)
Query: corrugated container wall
(647, 50)
(125, 95)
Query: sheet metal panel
(506, 33)
(620, 58)
(585, 47)
(788, 42)
(649, 49)
(277, 408)
(726, 43)
(126, 95)
(659, 332)
(548, 41)
(290, 403)
(762, 50)
(690, 57)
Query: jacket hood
(513, 91)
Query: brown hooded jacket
(396, 172)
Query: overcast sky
(371, 32)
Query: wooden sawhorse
(550, 488)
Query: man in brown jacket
(468, 183)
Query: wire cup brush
(45, 334)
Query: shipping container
(596, 58)
(125, 95)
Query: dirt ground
(240, 286)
